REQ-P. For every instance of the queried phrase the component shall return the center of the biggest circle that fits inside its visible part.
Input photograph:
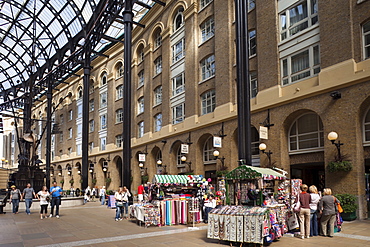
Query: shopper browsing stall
(209, 204)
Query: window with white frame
(140, 54)
(208, 151)
(119, 70)
(91, 125)
(204, 3)
(119, 116)
(178, 20)
(103, 99)
(306, 133)
(178, 51)
(61, 137)
(91, 146)
(104, 79)
(69, 151)
(178, 84)
(157, 38)
(158, 95)
(61, 119)
(79, 110)
(178, 113)
(91, 105)
(158, 122)
(140, 129)
(366, 39)
(103, 143)
(300, 65)
(251, 4)
(141, 79)
(252, 43)
(158, 65)
(207, 29)
(298, 18)
(208, 67)
(253, 83)
(79, 149)
(119, 92)
(70, 115)
(367, 127)
(140, 105)
(179, 162)
(91, 87)
(79, 92)
(79, 130)
(255, 141)
(119, 141)
(208, 101)
(103, 121)
(70, 133)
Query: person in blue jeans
(15, 197)
(55, 192)
(315, 198)
(121, 197)
(28, 194)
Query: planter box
(349, 216)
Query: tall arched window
(367, 126)
(208, 151)
(157, 38)
(306, 133)
(178, 20)
(119, 70)
(178, 157)
(140, 54)
(104, 79)
(79, 92)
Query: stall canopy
(252, 172)
(163, 179)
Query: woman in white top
(43, 195)
(209, 204)
(121, 197)
(315, 198)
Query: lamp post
(333, 136)
(4, 161)
(183, 159)
(216, 153)
(262, 147)
(159, 164)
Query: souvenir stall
(260, 215)
(145, 213)
(180, 197)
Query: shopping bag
(293, 222)
(297, 206)
(338, 206)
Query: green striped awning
(181, 179)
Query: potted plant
(62, 182)
(340, 165)
(81, 181)
(144, 179)
(94, 181)
(108, 180)
(221, 173)
(71, 181)
(349, 205)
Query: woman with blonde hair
(327, 207)
(315, 198)
(304, 213)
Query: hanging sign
(217, 142)
(263, 132)
(184, 148)
(142, 157)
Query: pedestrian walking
(15, 198)
(43, 195)
(28, 195)
(56, 198)
(315, 199)
(304, 213)
(102, 195)
(121, 197)
(93, 194)
(87, 194)
(327, 207)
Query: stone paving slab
(94, 225)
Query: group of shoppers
(313, 207)
(122, 201)
(54, 197)
(91, 194)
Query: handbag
(119, 204)
(297, 206)
(339, 208)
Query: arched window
(140, 54)
(367, 126)
(208, 151)
(306, 133)
(91, 86)
(178, 157)
(104, 79)
(158, 122)
(119, 116)
(79, 92)
(119, 70)
(157, 38)
(140, 105)
(178, 20)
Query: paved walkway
(94, 225)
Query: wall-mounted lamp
(336, 95)
(105, 166)
(69, 172)
(59, 174)
(333, 136)
(183, 159)
(262, 147)
(216, 154)
(91, 168)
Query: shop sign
(141, 157)
(264, 132)
(217, 142)
(184, 148)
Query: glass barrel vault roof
(42, 28)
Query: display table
(145, 213)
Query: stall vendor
(209, 204)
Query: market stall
(261, 206)
(145, 213)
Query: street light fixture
(262, 147)
(105, 166)
(333, 136)
(216, 154)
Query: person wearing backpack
(15, 198)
